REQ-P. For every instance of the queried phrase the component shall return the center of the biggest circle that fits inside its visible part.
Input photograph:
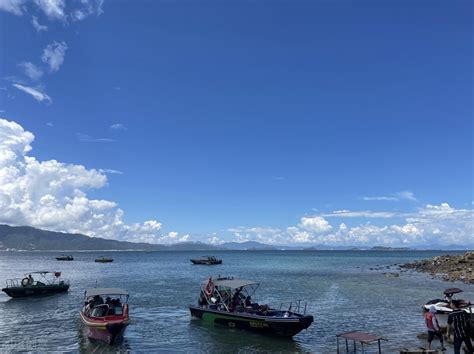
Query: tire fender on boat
(25, 281)
(209, 290)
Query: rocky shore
(449, 268)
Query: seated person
(248, 301)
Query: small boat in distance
(104, 259)
(48, 283)
(65, 258)
(207, 260)
(444, 306)
(105, 314)
(228, 302)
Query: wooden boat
(65, 258)
(49, 283)
(105, 314)
(228, 302)
(104, 260)
(207, 260)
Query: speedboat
(65, 258)
(228, 302)
(47, 283)
(207, 260)
(105, 314)
(444, 305)
(104, 260)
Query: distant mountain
(30, 238)
(247, 246)
(191, 246)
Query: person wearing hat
(432, 325)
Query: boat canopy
(231, 283)
(105, 291)
(452, 291)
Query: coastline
(448, 267)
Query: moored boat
(103, 259)
(207, 260)
(49, 283)
(105, 314)
(65, 258)
(444, 305)
(228, 302)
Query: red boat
(105, 314)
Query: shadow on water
(220, 338)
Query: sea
(344, 291)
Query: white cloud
(361, 214)
(37, 26)
(31, 70)
(110, 171)
(90, 139)
(49, 124)
(54, 9)
(53, 195)
(394, 197)
(430, 226)
(315, 224)
(36, 93)
(16, 7)
(53, 55)
(118, 126)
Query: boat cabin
(103, 302)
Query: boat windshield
(228, 293)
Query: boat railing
(297, 306)
(16, 282)
(13, 283)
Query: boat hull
(203, 262)
(110, 332)
(28, 291)
(281, 326)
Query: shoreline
(447, 267)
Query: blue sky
(235, 117)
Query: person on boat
(459, 325)
(248, 301)
(97, 300)
(236, 298)
(30, 280)
(432, 325)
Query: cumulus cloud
(53, 55)
(430, 226)
(53, 195)
(16, 7)
(37, 26)
(36, 93)
(31, 70)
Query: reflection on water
(343, 295)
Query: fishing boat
(105, 314)
(444, 305)
(46, 283)
(228, 302)
(207, 260)
(65, 258)
(104, 259)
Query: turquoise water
(343, 294)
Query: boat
(207, 260)
(228, 301)
(105, 314)
(104, 260)
(443, 306)
(48, 283)
(65, 258)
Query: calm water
(344, 294)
